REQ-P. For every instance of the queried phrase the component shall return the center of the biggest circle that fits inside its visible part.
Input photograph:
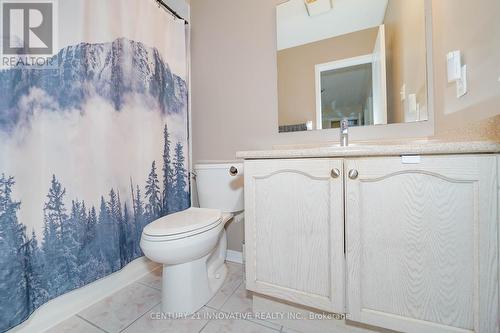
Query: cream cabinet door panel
(422, 244)
(294, 231)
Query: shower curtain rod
(171, 11)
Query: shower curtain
(92, 149)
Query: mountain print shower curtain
(91, 150)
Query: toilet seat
(183, 224)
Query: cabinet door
(422, 244)
(294, 231)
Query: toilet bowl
(191, 244)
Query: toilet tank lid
(200, 165)
(187, 220)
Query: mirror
(360, 60)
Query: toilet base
(188, 287)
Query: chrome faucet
(344, 135)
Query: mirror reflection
(360, 60)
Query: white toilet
(191, 244)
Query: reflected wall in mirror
(361, 60)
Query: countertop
(362, 149)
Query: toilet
(191, 244)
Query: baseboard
(67, 305)
(234, 256)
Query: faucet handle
(344, 125)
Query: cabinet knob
(335, 173)
(353, 174)
(233, 171)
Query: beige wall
(296, 73)
(234, 80)
(474, 28)
(406, 55)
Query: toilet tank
(220, 186)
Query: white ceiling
(295, 27)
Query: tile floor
(136, 308)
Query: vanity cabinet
(421, 238)
(422, 243)
(294, 231)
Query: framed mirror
(366, 61)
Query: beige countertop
(383, 148)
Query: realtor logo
(28, 27)
(29, 34)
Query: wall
(233, 61)
(234, 73)
(406, 55)
(296, 75)
(234, 79)
(474, 28)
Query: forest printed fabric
(90, 153)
